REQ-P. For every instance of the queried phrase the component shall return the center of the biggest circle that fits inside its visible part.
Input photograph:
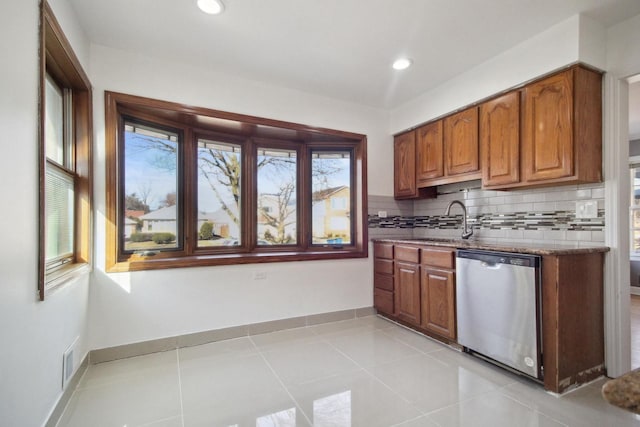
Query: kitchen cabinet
(429, 153)
(548, 132)
(404, 166)
(461, 148)
(422, 286)
(562, 129)
(447, 150)
(572, 319)
(572, 304)
(438, 290)
(561, 139)
(405, 184)
(407, 283)
(500, 141)
(383, 277)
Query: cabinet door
(407, 292)
(461, 143)
(404, 165)
(383, 301)
(438, 302)
(547, 139)
(500, 140)
(429, 152)
(383, 250)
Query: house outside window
(634, 207)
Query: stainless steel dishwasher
(498, 301)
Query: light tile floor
(362, 372)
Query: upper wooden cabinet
(461, 150)
(405, 185)
(548, 132)
(404, 166)
(429, 153)
(562, 128)
(447, 150)
(500, 140)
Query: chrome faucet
(466, 232)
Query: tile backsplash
(546, 215)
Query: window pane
(54, 122)
(59, 213)
(277, 197)
(150, 182)
(635, 186)
(219, 174)
(635, 243)
(331, 199)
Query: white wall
(577, 38)
(623, 48)
(33, 334)
(140, 306)
(623, 60)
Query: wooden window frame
(194, 123)
(58, 60)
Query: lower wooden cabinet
(407, 292)
(415, 285)
(383, 285)
(423, 288)
(438, 301)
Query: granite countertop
(624, 391)
(527, 248)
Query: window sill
(233, 259)
(65, 275)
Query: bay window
(189, 186)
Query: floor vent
(67, 364)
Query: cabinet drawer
(407, 253)
(383, 250)
(384, 266)
(444, 258)
(383, 301)
(383, 281)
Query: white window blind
(59, 212)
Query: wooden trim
(184, 117)
(139, 103)
(41, 154)
(66, 65)
(58, 59)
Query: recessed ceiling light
(402, 64)
(212, 7)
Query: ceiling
(341, 49)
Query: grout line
(375, 378)
(180, 387)
(286, 389)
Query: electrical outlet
(586, 209)
(259, 275)
(382, 214)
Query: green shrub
(163, 238)
(206, 231)
(141, 237)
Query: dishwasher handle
(491, 265)
(491, 258)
